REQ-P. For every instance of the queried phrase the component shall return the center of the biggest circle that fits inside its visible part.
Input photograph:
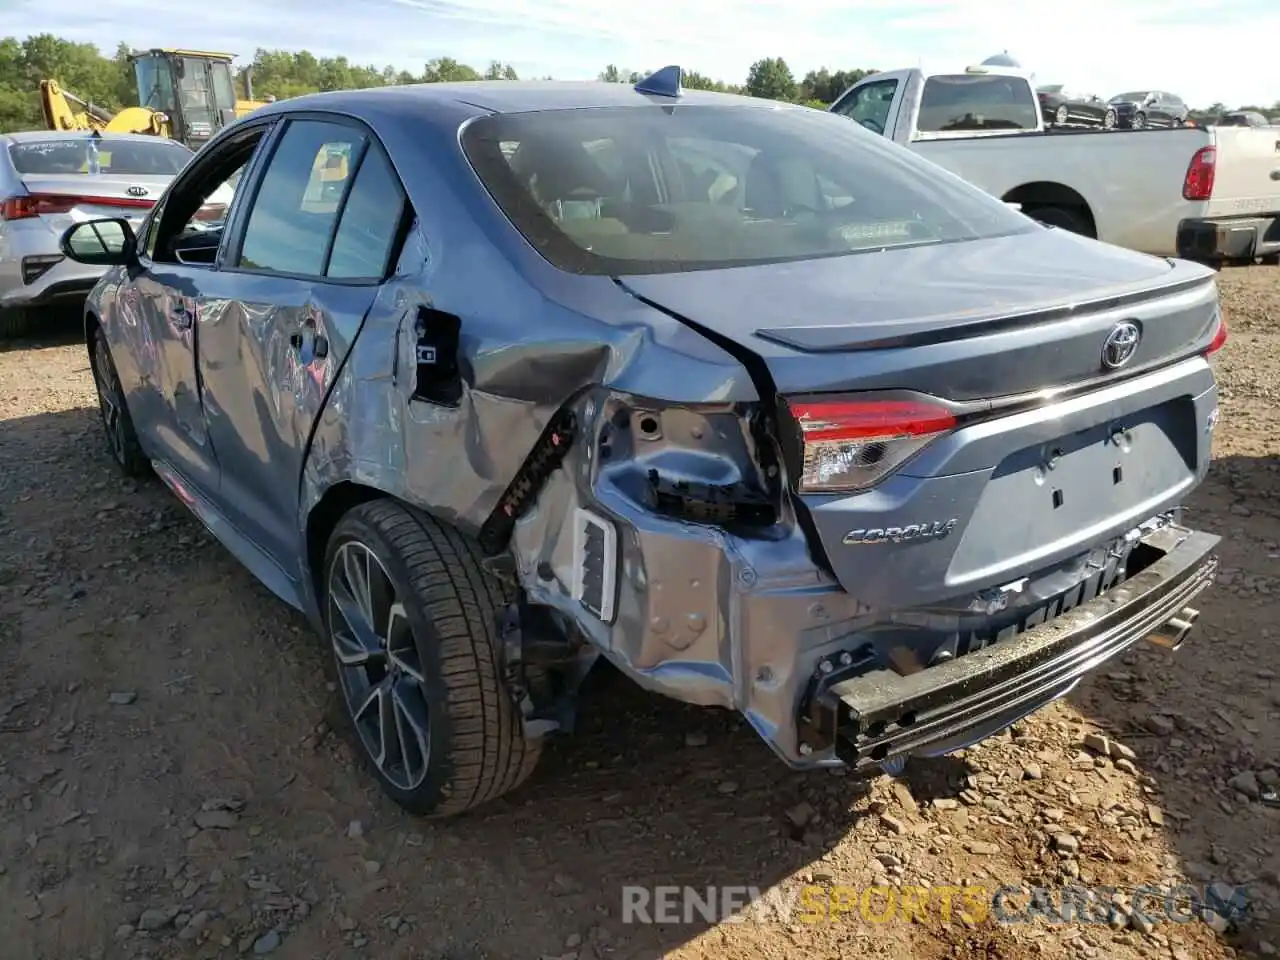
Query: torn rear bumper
(872, 715)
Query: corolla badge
(1121, 344)
(911, 533)
(137, 191)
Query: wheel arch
(324, 515)
(1048, 193)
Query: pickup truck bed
(1207, 194)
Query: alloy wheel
(110, 401)
(1061, 116)
(1109, 120)
(379, 668)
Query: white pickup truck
(1207, 194)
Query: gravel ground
(170, 787)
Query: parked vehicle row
(731, 393)
(1137, 110)
(1210, 194)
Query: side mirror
(108, 242)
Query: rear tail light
(211, 213)
(1219, 335)
(35, 204)
(1198, 183)
(852, 445)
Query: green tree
(771, 79)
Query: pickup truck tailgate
(1247, 179)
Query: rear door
(1247, 178)
(304, 261)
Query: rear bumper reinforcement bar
(880, 714)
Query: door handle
(309, 344)
(181, 314)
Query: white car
(50, 180)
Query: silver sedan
(51, 180)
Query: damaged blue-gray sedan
(492, 379)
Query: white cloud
(1204, 53)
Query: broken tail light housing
(851, 445)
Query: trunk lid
(93, 196)
(963, 321)
(1033, 491)
(1247, 177)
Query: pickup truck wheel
(122, 439)
(1062, 217)
(413, 621)
(1271, 260)
(1139, 121)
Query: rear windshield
(660, 190)
(966, 102)
(104, 154)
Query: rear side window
(370, 221)
(296, 207)
(967, 102)
(162, 158)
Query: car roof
(509, 96)
(31, 136)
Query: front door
(303, 264)
(160, 307)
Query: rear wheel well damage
(1056, 204)
(323, 518)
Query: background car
(1062, 107)
(1140, 109)
(51, 180)
(1243, 118)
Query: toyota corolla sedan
(50, 180)
(767, 411)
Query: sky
(1203, 52)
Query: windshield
(965, 102)
(1130, 97)
(639, 190)
(134, 158)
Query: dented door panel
(270, 348)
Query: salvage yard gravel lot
(175, 781)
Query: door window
(370, 221)
(296, 207)
(870, 102)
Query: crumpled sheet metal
(701, 615)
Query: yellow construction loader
(187, 95)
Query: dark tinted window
(968, 102)
(136, 158)
(369, 221)
(296, 206)
(635, 190)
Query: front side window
(698, 187)
(296, 207)
(869, 104)
(966, 102)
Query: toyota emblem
(137, 191)
(1121, 344)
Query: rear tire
(122, 439)
(444, 735)
(1139, 121)
(1271, 260)
(15, 322)
(1062, 217)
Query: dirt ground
(170, 785)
